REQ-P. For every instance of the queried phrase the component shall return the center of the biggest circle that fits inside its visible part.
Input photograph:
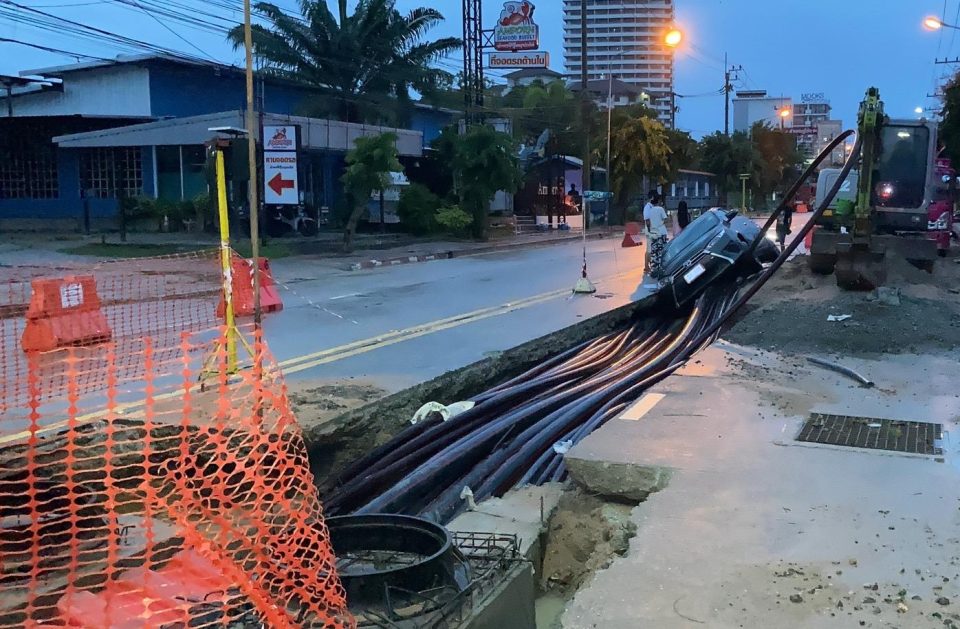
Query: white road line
(643, 406)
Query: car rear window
(695, 232)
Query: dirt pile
(792, 311)
(314, 403)
(584, 535)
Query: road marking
(333, 354)
(643, 406)
(347, 296)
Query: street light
(918, 110)
(784, 114)
(673, 37)
(935, 24)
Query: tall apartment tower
(624, 37)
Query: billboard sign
(813, 98)
(518, 60)
(280, 138)
(515, 29)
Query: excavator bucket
(860, 269)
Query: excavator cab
(883, 206)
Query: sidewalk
(373, 250)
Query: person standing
(683, 215)
(784, 226)
(655, 220)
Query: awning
(315, 133)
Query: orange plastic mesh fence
(160, 297)
(141, 485)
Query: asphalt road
(402, 325)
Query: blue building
(79, 137)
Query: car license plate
(694, 273)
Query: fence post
(225, 261)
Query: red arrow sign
(278, 184)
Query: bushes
(454, 220)
(418, 210)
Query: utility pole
(728, 70)
(585, 110)
(609, 130)
(252, 164)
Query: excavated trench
(335, 444)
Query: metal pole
(226, 264)
(609, 132)
(10, 100)
(609, 126)
(252, 164)
(584, 108)
(726, 96)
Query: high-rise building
(624, 37)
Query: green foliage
(639, 148)
(728, 158)
(363, 65)
(369, 165)
(538, 107)
(418, 209)
(683, 151)
(485, 162)
(454, 220)
(779, 159)
(950, 124)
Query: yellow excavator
(883, 206)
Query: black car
(713, 245)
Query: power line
(175, 34)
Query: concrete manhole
(873, 433)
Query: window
(29, 173)
(109, 172)
(902, 171)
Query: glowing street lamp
(673, 37)
(784, 114)
(932, 23)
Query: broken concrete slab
(616, 481)
(523, 512)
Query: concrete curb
(464, 253)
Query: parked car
(713, 245)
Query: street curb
(465, 253)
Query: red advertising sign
(515, 28)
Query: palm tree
(363, 65)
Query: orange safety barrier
(631, 235)
(145, 484)
(242, 282)
(63, 312)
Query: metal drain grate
(873, 433)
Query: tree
(369, 165)
(485, 162)
(950, 124)
(728, 158)
(683, 151)
(363, 65)
(778, 159)
(639, 148)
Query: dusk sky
(838, 47)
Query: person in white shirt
(655, 220)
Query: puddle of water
(549, 609)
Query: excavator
(883, 206)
